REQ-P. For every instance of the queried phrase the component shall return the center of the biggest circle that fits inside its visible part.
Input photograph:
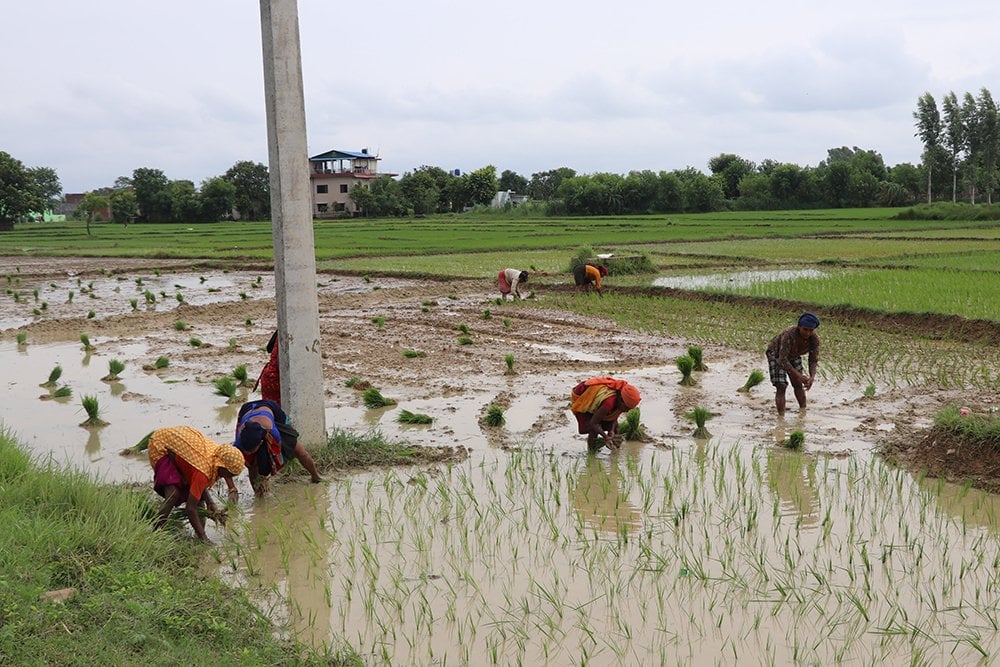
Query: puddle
(735, 279)
(574, 354)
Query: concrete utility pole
(301, 364)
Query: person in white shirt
(509, 281)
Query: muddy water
(734, 278)
(671, 550)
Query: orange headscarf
(586, 401)
(201, 453)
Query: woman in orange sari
(185, 464)
(597, 403)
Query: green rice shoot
(755, 378)
(696, 353)
(685, 364)
(699, 416)
(494, 416)
(407, 417)
(373, 399)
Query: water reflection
(791, 477)
(226, 414)
(116, 388)
(734, 278)
(965, 504)
(93, 442)
(601, 499)
(292, 532)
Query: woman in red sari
(270, 378)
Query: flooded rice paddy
(673, 550)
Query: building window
(322, 189)
(343, 188)
(340, 206)
(322, 208)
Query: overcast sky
(97, 89)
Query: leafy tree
(482, 185)
(730, 169)
(152, 194)
(456, 193)
(47, 187)
(702, 193)
(668, 193)
(17, 195)
(929, 130)
(217, 197)
(363, 199)
(989, 131)
(639, 191)
(755, 193)
(545, 184)
(185, 204)
(908, 177)
(953, 137)
(253, 189)
(420, 191)
(123, 206)
(387, 197)
(90, 206)
(836, 181)
(510, 180)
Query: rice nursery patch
(725, 553)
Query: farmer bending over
(509, 281)
(784, 359)
(587, 275)
(185, 463)
(597, 403)
(267, 441)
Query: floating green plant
(161, 362)
(696, 354)
(407, 417)
(699, 416)
(685, 364)
(54, 376)
(85, 340)
(373, 398)
(631, 428)
(494, 416)
(115, 367)
(64, 391)
(225, 386)
(413, 354)
(93, 409)
(241, 375)
(756, 377)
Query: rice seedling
(464, 340)
(685, 364)
(374, 399)
(413, 354)
(54, 376)
(163, 294)
(232, 344)
(506, 323)
(115, 367)
(407, 417)
(85, 341)
(248, 322)
(424, 309)
(35, 294)
(378, 321)
(91, 315)
(181, 325)
(156, 272)
(179, 297)
(138, 282)
(195, 342)
(241, 375)
(149, 296)
(696, 353)
(93, 409)
(453, 296)
(508, 360)
(161, 362)
(463, 328)
(755, 378)
(36, 312)
(64, 391)
(487, 314)
(134, 303)
(427, 303)
(202, 279)
(351, 381)
(699, 416)
(243, 296)
(869, 390)
(494, 416)
(366, 278)
(226, 386)
(796, 440)
(213, 290)
(22, 338)
(631, 428)
(45, 305)
(69, 297)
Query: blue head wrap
(808, 320)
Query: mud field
(366, 326)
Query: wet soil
(367, 324)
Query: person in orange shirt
(585, 275)
(597, 403)
(185, 464)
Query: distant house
(333, 174)
(504, 198)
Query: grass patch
(974, 428)
(345, 450)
